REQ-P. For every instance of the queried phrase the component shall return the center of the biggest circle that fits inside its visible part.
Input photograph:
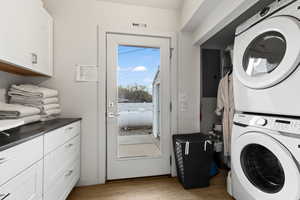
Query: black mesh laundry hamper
(194, 157)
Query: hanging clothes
(225, 108)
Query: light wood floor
(155, 188)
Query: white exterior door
(134, 63)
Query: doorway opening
(138, 111)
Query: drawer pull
(5, 134)
(2, 161)
(4, 196)
(69, 145)
(70, 128)
(69, 173)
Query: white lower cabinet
(27, 174)
(61, 161)
(64, 183)
(62, 170)
(17, 159)
(26, 186)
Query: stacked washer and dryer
(266, 131)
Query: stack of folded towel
(44, 99)
(11, 114)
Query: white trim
(220, 18)
(101, 118)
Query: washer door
(267, 53)
(265, 168)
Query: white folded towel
(56, 111)
(10, 123)
(44, 107)
(14, 111)
(48, 118)
(33, 101)
(49, 107)
(31, 119)
(50, 114)
(13, 123)
(32, 91)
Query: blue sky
(137, 65)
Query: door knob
(113, 115)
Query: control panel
(263, 13)
(289, 125)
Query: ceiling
(165, 4)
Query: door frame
(101, 89)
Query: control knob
(261, 122)
(264, 11)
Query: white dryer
(265, 158)
(266, 61)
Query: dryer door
(265, 168)
(267, 53)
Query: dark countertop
(28, 132)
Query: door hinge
(171, 52)
(170, 160)
(171, 106)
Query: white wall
(223, 13)
(75, 42)
(6, 79)
(189, 8)
(189, 85)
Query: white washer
(266, 60)
(265, 158)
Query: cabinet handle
(70, 128)
(4, 196)
(2, 161)
(34, 58)
(69, 145)
(5, 134)
(69, 173)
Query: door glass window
(262, 168)
(264, 54)
(138, 102)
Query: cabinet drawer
(65, 182)
(18, 158)
(26, 186)
(56, 162)
(60, 136)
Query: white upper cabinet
(42, 42)
(13, 40)
(26, 36)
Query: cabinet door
(18, 158)
(26, 35)
(65, 182)
(42, 44)
(26, 186)
(58, 162)
(14, 34)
